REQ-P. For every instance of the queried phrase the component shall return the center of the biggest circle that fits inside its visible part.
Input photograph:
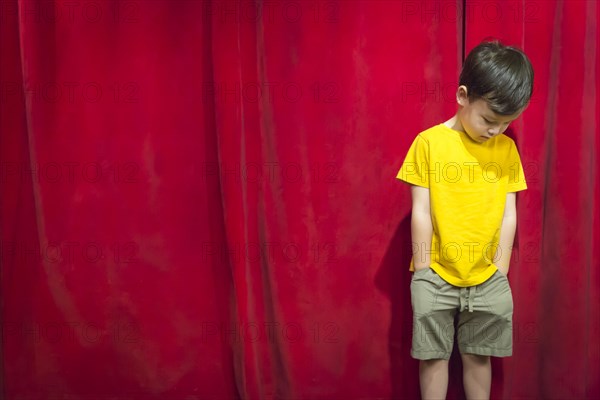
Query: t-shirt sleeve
(516, 175)
(415, 168)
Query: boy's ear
(462, 95)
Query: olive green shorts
(484, 316)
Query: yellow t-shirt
(467, 183)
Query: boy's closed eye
(494, 122)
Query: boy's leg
(477, 376)
(484, 330)
(434, 304)
(433, 378)
(433, 316)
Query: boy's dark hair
(501, 75)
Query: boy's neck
(454, 123)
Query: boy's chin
(477, 138)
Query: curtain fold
(109, 284)
(301, 94)
(198, 198)
(554, 275)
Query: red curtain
(198, 198)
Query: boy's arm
(421, 227)
(507, 234)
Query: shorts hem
(484, 351)
(430, 355)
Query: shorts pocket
(504, 278)
(418, 272)
(499, 296)
(423, 291)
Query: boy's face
(478, 121)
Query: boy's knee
(434, 361)
(474, 358)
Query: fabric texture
(484, 311)
(467, 183)
(198, 197)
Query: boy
(464, 174)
